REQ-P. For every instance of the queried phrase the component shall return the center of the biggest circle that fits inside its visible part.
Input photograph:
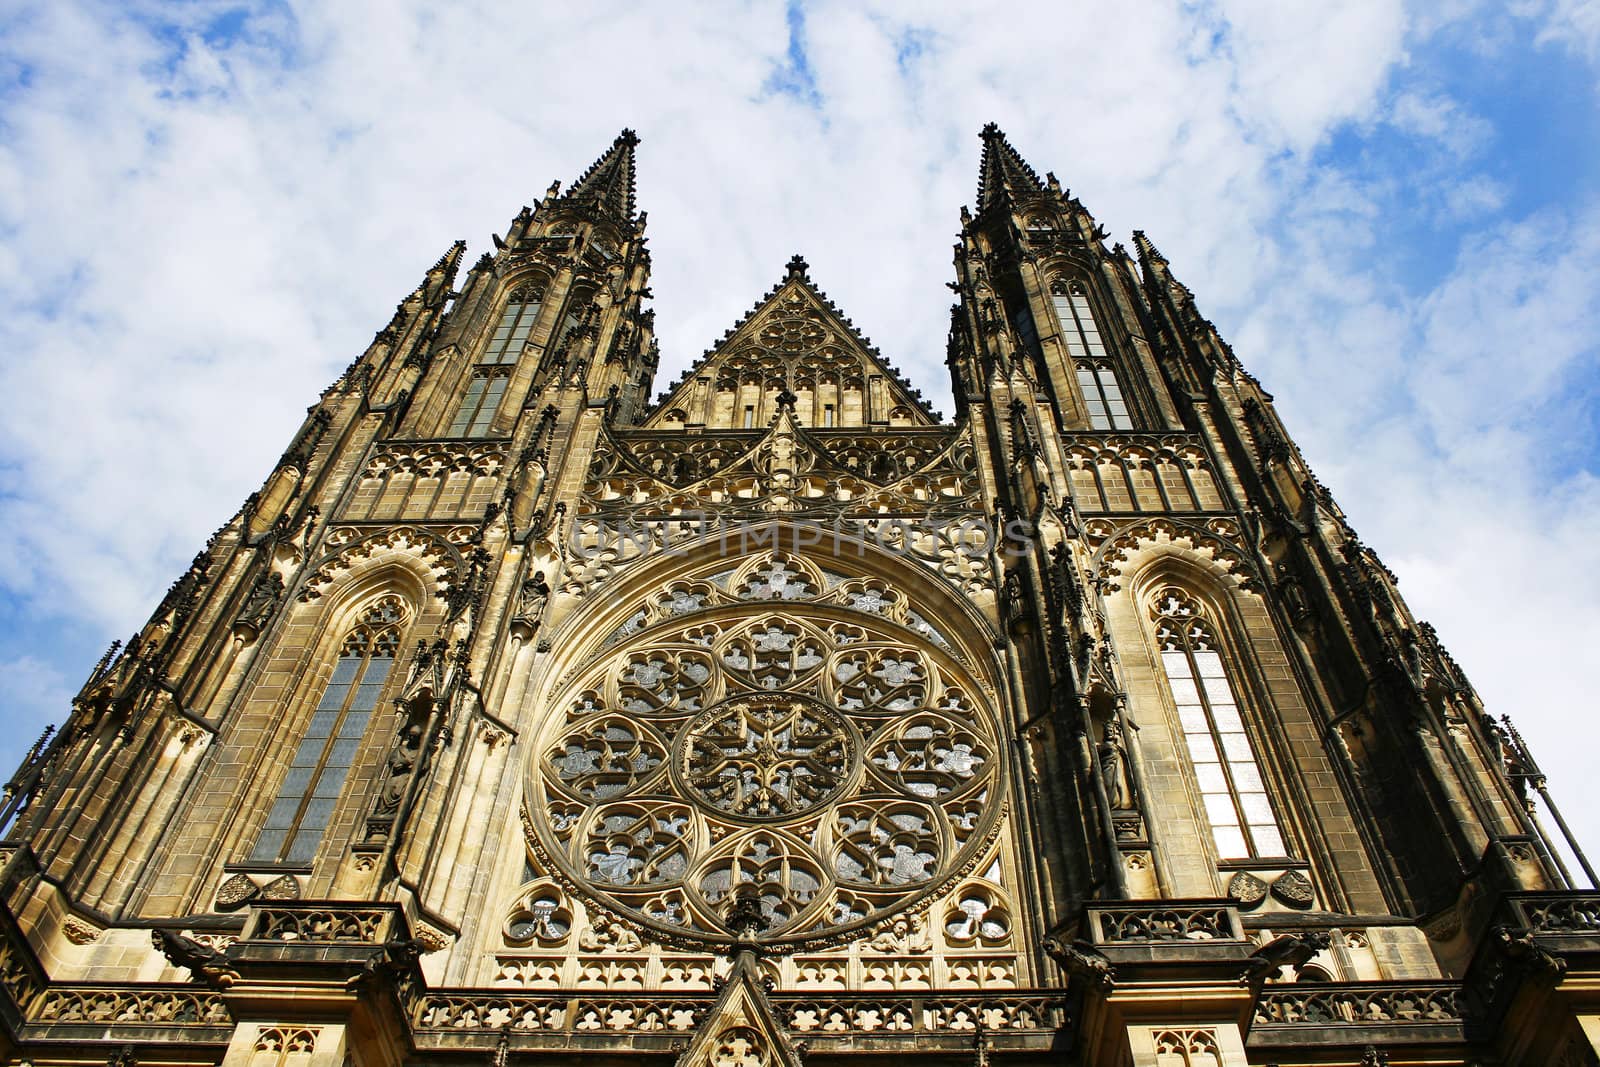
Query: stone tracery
(825, 754)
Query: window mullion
(1223, 761)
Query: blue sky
(1391, 211)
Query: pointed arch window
(511, 333)
(1097, 378)
(311, 788)
(1231, 785)
(480, 402)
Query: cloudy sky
(1392, 212)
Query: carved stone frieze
(350, 546)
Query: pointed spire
(1147, 250)
(436, 284)
(451, 260)
(1002, 172)
(608, 183)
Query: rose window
(782, 739)
(765, 756)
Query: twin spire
(608, 184)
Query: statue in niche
(1113, 754)
(401, 762)
(532, 598)
(259, 604)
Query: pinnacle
(1145, 247)
(798, 266)
(1003, 172)
(608, 182)
(451, 258)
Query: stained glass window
(1225, 768)
(305, 802)
(510, 335)
(1096, 378)
(480, 402)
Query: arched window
(1231, 786)
(492, 374)
(510, 336)
(1097, 379)
(481, 400)
(305, 802)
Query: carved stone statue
(531, 601)
(259, 604)
(401, 762)
(1113, 754)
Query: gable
(794, 340)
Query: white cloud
(232, 218)
(1439, 118)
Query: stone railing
(1363, 1004)
(129, 1005)
(497, 1011)
(824, 1016)
(803, 1015)
(324, 924)
(1557, 913)
(1164, 921)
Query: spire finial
(1002, 172)
(798, 266)
(608, 183)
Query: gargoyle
(1285, 950)
(1522, 950)
(1082, 960)
(393, 960)
(203, 964)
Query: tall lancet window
(1231, 786)
(299, 816)
(481, 400)
(487, 385)
(511, 334)
(1097, 378)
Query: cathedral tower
(518, 717)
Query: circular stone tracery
(832, 763)
(765, 756)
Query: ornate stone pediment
(794, 340)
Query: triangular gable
(741, 1028)
(794, 339)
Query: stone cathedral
(530, 715)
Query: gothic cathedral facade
(520, 717)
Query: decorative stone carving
(1294, 889)
(1247, 889)
(146, 1005)
(79, 932)
(283, 887)
(840, 771)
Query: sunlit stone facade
(520, 717)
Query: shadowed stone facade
(519, 718)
